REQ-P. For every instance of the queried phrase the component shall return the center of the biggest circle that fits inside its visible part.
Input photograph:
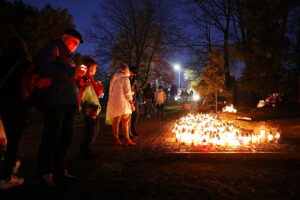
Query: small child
(89, 93)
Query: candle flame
(208, 129)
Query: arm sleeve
(97, 87)
(127, 89)
(47, 64)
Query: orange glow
(208, 129)
(229, 109)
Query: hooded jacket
(120, 95)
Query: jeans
(91, 131)
(148, 106)
(134, 118)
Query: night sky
(81, 11)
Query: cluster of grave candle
(208, 129)
(229, 109)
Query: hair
(121, 66)
(88, 62)
(160, 87)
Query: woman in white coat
(120, 105)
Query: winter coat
(148, 93)
(160, 96)
(64, 89)
(119, 96)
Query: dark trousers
(134, 118)
(56, 138)
(91, 131)
(14, 120)
(160, 110)
(148, 106)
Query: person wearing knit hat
(75, 34)
(54, 61)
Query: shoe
(129, 142)
(65, 179)
(131, 136)
(11, 182)
(135, 134)
(90, 156)
(117, 141)
(46, 181)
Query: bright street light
(177, 68)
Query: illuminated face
(71, 42)
(92, 69)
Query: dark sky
(81, 10)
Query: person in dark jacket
(135, 114)
(54, 61)
(15, 61)
(149, 97)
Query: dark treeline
(35, 27)
(263, 35)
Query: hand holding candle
(81, 71)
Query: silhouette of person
(54, 61)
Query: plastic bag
(108, 120)
(90, 105)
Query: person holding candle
(89, 93)
(54, 60)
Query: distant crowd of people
(72, 89)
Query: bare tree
(133, 32)
(212, 17)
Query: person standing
(120, 105)
(15, 61)
(54, 60)
(160, 98)
(149, 97)
(135, 114)
(89, 93)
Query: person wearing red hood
(89, 93)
